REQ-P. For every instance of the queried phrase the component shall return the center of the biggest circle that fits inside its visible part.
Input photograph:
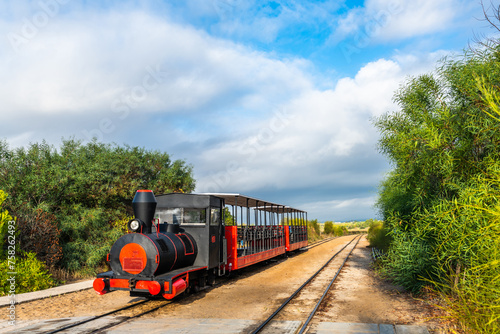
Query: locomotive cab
(201, 217)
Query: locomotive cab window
(182, 216)
(215, 216)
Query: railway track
(317, 243)
(118, 320)
(124, 314)
(318, 284)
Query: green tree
(441, 203)
(228, 217)
(76, 194)
(328, 228)
(313, 228)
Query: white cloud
(313, 138)
(404, 19)
(249, 121)
(121, 64)
(389, 20)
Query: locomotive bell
(144, 205)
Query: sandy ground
(361, 296)
(358, 296)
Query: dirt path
(360, 296)
(253, 295)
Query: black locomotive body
(175, 244)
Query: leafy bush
(340, 230)
(441, 202)
(5, 217)
(328, 228)
(31, 275)
(408, 261)
(334, 229)
(466, 239)
(313, 230)
(89, 235)
(378, 235)
(73, 197)
(39, 234)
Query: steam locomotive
(179, 242)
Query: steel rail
(79, 323)
(311, 315)
(125, 319)
(263, 324)
(118, 310)
(318, 243)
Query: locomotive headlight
(134, 225)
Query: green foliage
(358, 225)
(88, 237)
(339, 230)
(314, 226)
(31, 275)
(121, 225)
(228, 217)
(328, 227)
(465, 234)
(4, 225)
(440, 202)
(378, 235)
(409, 261)
(39, 234)
(313, 230)
(92, 175)
(334, 229)
(75, 195)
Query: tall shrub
(19, 271)
(440, 202)
(71, 197)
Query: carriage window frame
(182, 216)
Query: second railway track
(138, 310)
(304, 302)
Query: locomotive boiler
(148, 253)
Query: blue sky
(272, 99)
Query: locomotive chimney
(144, 205)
